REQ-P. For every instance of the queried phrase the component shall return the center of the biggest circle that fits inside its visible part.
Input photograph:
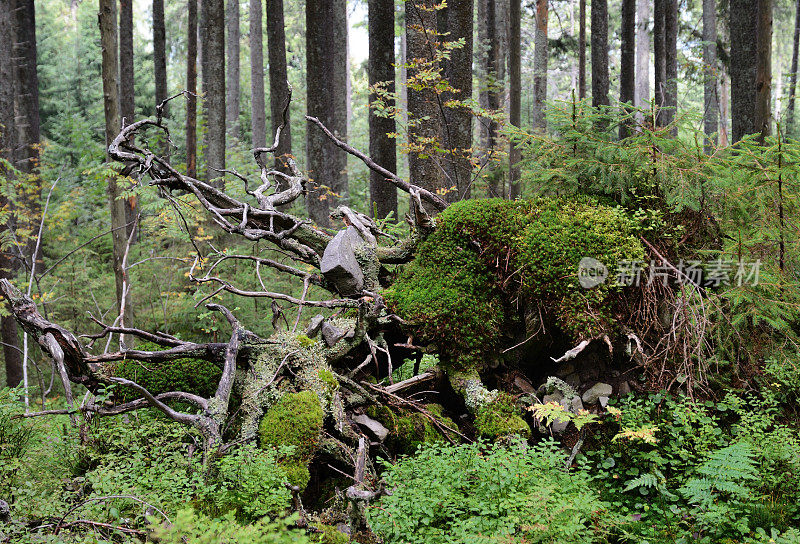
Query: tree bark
(763, 115)
(540, 66)
(743, 24)
(793, 75)
(642, 85)
(160, 54)
(582, 50)
(423, 106)
(324, 81)
(278, 80)
(127, 104)
(671, 59)
(8, 141)
(212, 22)
(341, 98)
(458, 120)
(600, 53)
(380, 69)
(627, 72)
(660, 59)
(258, 114)
(191, 86)
(483, 62)
(492, 98)
(710, 98)
(232, 37)
(126, 80)
(107, 20)
(515, 94)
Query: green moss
(305, 341)
(486, 253)
(196, 376)
(295, 420)
(501, 418)
(327, 377)
(408, 430)
(329, 534)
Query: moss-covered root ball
(296, 421)
(501, 418)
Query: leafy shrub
(15, 437)
(190, 527)
(456, 288)
(476, 493)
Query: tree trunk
(515, 93)
(458, 120)
(191, 86)
(278, 79)
(600, 53)
(660, 59)
(8, 140)
(380, 69)
(627, 71)
(160, 54)
(540, 66)
(325, 161)
(423, 106)
(671, 58)
(710, 111)
(27, 90)
(743, 24)
(582, 50)
(212, 22)
(107, 20)
(642, 85)
(492, 99)
(483, 61)
(793, 75)
(258, 114)
(232, 37)
(127, 105)
(340, 97)
(763, 115)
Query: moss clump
(327, 378)
(408, 430)
(486, 253)
(305, 341)
(295, 420)
(329, 534)
(501, 418)
(196, 376)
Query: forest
(399, 272)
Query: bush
(190, 527)
(476, 493)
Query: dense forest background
(424, 271)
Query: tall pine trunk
(8, 140)
(326, 162)
(763, 115)
(127, 105)
(191, 86)
(660, 60)
(457, 127)
(515, 94)
(278, 80)
(710, 110)
(642, 85)
(671, 59)
(340, 96)
(793, 75)
(600, 53)
(232, 37)
(380, 69)
(743, 25)
(627, 71)
(423, 107)
(160, 54)
(212, 23)
(582, 50)
(540, 66)
(107, 20)
(258, 113)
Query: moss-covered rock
(501, 418)
(408, 430)
(296, 421)
(486, 253)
